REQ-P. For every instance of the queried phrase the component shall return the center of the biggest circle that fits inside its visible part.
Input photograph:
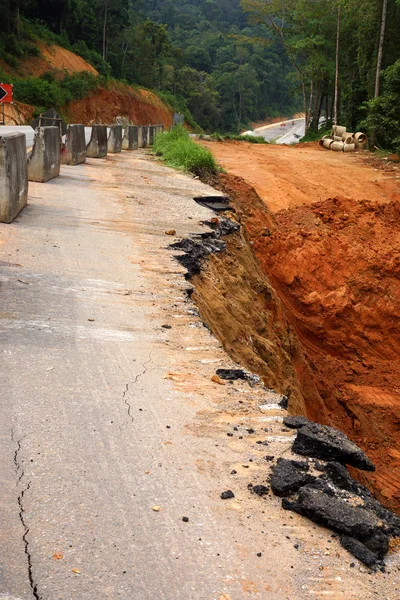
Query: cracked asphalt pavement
(93, 433)
(111, 428)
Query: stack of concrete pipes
(342, 141)
(42, 163)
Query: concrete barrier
(97, 147)
(13, 176)
(130, 139)
(140, 137)
(74, 151)
(115, 139)
(44, 159)
(145, 135)
(152, 130)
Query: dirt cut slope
(103, 105)
(334, 264)
(51, 58)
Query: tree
(380, 48)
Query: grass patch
(179, 151)
(252, 139)
(315, 136)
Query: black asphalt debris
(288, 476)
(227, 495)
(260, 490)
(199, 246)
(333, 498)
(295, 422)
(328, 443)
(231, 374)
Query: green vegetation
(307, 30)
(314, 136)
(197, 53)
(252, 139)
(53, 89)
(226, 63)
(179, 151)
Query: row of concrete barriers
(43, 161)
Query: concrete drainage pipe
(337, 146)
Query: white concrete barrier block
(13, 176)
(97, 147)
(44, 159)
(74, 151)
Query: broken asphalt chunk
(289, 476)
(358, 550)
(295, 422)
(328, 443)
(260, 490)
(231, 374)
(227, 495)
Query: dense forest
(195, 53)
(231, 62)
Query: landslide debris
(333, 271)
(238, 303)
(328, 443)
(334, 499)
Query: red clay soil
(100, 106)
(18, 113)
(286, 176)
(334, 263)
(104, 105)
(51, 58)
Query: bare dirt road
(286, 176)
(112, 429)
(331, 252)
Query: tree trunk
(380, 49)
(336, 101)
(105, 30)
(310, 105)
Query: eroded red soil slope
(333, 260)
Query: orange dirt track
(333, 258)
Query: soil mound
(336, 267)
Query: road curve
(285, 132)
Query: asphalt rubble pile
(198, 247)
(320, 487)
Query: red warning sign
(6, 93)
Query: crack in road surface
(126, 391)
(20, 500)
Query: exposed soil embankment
(104, 105)
(238, 302)
(335, 265)
(318, 314)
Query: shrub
(38, 92)
(181, 152)
(75, 86)
(252, 139)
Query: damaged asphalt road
(113, 450)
